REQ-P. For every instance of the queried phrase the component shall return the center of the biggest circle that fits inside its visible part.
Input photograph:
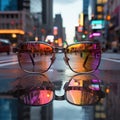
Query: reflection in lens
(83, 57)
(35, 57)
(81, 97)
(83, 89)
(34, 89)
(37, 97)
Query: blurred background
(59, 23)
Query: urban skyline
(70, 15)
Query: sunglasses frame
(56, 50)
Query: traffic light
(83, 36)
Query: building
(113, 10)
(47, 14)
(85, 6)
(83, 23)
(15, 19)
(96, 9)
(58, 22)
(97, 21)
(85, 14)
(10, 5)
(58, 30)
(42, 14)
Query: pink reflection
(96, 34)
(39, 97)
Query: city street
(51, 66)
(59, 74)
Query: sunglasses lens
(35, 57)
(81, 97)
(83, 90)
(37, 97)
(83, 57)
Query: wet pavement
(59, 74)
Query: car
(5, 46)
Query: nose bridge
(62, 97)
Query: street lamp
(36, 38)
(14, 35)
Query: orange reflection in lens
(45, 96)
(81, 97)
(38, 58)
(74, 96)
(36, 47)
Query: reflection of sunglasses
(37, 57)
(78, 91)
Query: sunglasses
(37, 57)
(81, 90)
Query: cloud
(65, 1)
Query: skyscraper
(58, 22)
(42, 12)
(85, 6)
(47, 15)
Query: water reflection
(38, 90)
(83, 88)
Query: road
(59, 73)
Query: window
(99, 9)
(101, 1)
(7, 26)
(100, 16)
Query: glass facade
(85, 6)
(8, 5)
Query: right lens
(83, 90)
(35, 57)
(83, 56)
(81, 97)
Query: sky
(69, 10)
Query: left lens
(35, 57)
(83, 57)
(37, 97)
(34, 89)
